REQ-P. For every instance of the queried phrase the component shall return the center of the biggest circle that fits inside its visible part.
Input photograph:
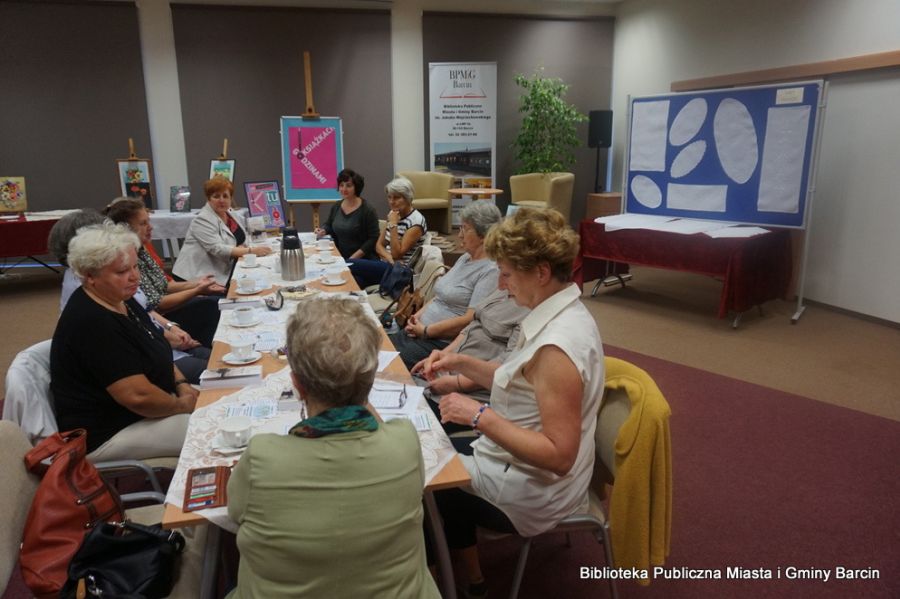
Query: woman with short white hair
(405, 231)
(111, 369)
(334, 508)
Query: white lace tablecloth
(437, 451)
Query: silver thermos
(293, 263)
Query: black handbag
(125, 559)
(396, 278)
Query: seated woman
(405, 232)
(215, 238)
(187, 353)
(532, 465)
(111, 370)
(187, 302)
(456, 294)
(334, 508)
(491, 336)
(352, 222)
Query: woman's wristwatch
(171, 324)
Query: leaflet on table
(267, 341)
(616, 222)
(240, 302)
(257, 409)
(419, 420)
(385, 397)
(385, 358)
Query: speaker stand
(597, 188)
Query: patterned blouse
(153, 279)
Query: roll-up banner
(463, 130)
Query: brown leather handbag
(71, 499)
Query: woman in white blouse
(532, 465)
(215, 238)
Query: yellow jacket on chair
(640, 515)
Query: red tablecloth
(753, 269)
(24, 238)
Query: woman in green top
(334, 508)
(352, 223)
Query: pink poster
(313, 157)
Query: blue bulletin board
(741, 155)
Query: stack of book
(238, 376)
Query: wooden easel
(224, 154)
(309, 114)
(131, 154)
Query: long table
(753, 269)
(453, 474)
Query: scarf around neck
(343, 419)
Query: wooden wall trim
(810, 70)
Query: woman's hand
(180, 339)
(260, 250)
(320, 232)
(458, 408)
(187, 394)
(414, 328)
(443, 385)
(205, 284)
(393, 217)
(427, 366)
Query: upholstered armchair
(432, 198)
(543, 190)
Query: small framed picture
(180, 198)
(264, 199)
(12, 194)
(221, 168)
(135, 179)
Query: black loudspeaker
(600, 129)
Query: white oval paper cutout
(646, 191)
(736, 141)
(688, 159)
(687, 122)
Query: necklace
(138, 322)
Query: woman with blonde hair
(333, 508)
(533, 461)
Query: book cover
(238, 376)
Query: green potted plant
(548, 135)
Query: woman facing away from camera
(333, 508)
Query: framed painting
(264, 199)
(180, 198)
(12, 194)
(221, 168)
(135, 179)
(312, 154)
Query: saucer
(256, 289)
(232, 360)
(333, 282)
(218, 446)
(326, 259)
(253, 323)
(257, 265)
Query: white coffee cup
(242, 346)
(244, 315)
(250, 260)
(276, 264)
(323, 244)
(235, 431)
(246, 284)
(335, 280)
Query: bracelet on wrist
(425, 332)
(458, 385)
(182, 382)
(477, 417)
(172, 324)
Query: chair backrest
(428, 184)
(614, 411)
(432, 270)
(29, 402)
(17, 488)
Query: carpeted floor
(762, 479)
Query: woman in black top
(111, 370)
(352, 222)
